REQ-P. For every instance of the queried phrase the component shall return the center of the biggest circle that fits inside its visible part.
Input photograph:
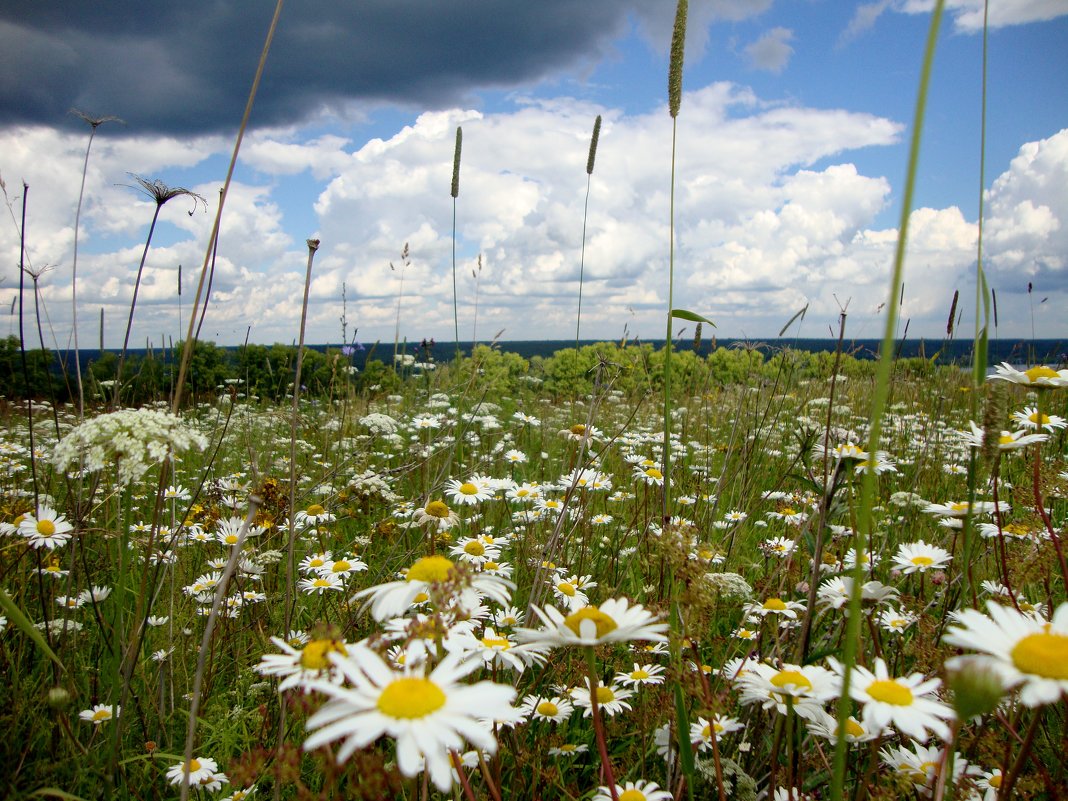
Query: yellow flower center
(568, 747)
(491, 566)
(316, 561)
(315, 510)
(787, 511)
(1038, 420)
(411, 697)
(496, 642)
(46, 528)
(102, 714)
(791, 678)
(432, 569)
(1044, 654)
(341, 565)
(639, 674)
(578, 430)
(775, 605)
(548, 709)
(1016, 529)
(605, 695)
(653, 473)
(706, 732)
(890, 692)
(1036, 373)
(566, 588)
(1006, 439)
(475, 548)
(437, 509)
(995, 781)
(604, 623)
(421, 598)
(467, 488)
(194, 765)
(231, 539)
(314, 654)
(922, 561)
(632, 795)
(960, 506)
(854, 729)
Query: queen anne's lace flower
(133, 439)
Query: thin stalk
(455, 191)
(879, 400)
(585, 213)
(187, 346)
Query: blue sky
(792, 144)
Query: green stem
(879, 400)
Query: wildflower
(131, 440)
(395, 597)
(649, 475)
(300, 661)
(201, 769)
(896, 621)
(773, 606)
(825, 725)
(568, 750)
(613, 621)
(427, 715)
(1024, 651)
(343, 567)
(101, 713)
(1031, 418)
(467, 493)
(555, 709)
(580, 432)
(919, 557)
(701, 731)
(46, 529)
(1038, 377)
(611, 699)
(781, 547)
(313, 516)
(633, 791)
(990, 783)
(494, 648)
(835, 592)
(321, 583)
(803, 688)
(922, 764)
(908, 702)
(437, 514)
(644, 674)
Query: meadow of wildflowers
(523, 621)
(492, 579)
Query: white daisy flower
(613, 621)
(101, 713)
(909, 702)
(555, 709)
(428, 716)
(1024, 650)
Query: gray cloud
(187, 67)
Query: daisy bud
(976, 687)
(58, 697)
(938, 579)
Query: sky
(791, 153)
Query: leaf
(21, 621)
(682, 314)
(52, 792)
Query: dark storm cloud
(187, 66)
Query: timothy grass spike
(678, 46)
